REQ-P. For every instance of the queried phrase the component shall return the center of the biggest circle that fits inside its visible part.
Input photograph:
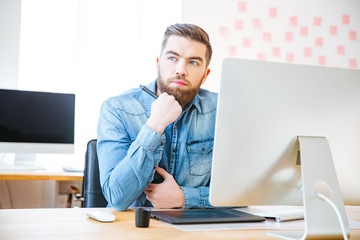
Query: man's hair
(191, 32)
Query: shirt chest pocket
(200, 156)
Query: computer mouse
(101, 216)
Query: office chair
(91, 196)
(92, 192)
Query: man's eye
(172, 58)
(194, 63)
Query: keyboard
(282, 215)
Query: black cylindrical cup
(142, 217)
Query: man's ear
(207, 72)
(157, 65)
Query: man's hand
(164, 111)
(167, 194)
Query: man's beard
(182, 95)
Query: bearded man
(157, 152)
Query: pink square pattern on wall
(278, 35)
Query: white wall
(9, 42)
(322, 32)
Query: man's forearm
(124, 178)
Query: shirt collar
(195, 102)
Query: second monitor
(262, 108)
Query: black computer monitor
(36, 122)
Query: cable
(9, 193)
(332, 204)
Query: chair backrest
(92, 192)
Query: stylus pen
(151, 93)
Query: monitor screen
(36, 122)
(262, 108)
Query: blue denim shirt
(129, 151)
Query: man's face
(182, 69)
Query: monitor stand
(325, 216)
(21, 162)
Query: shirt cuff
(150, 139)
(194, 197)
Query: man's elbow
(118, 201)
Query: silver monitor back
(262, 108)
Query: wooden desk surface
(60, 223)
(58, 175)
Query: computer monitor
(36, 122)
(262, 109)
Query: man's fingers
(162, 172)
(148, 197)
(150, 186)
(149, 194)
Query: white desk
(73, 223)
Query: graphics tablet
(193, 216)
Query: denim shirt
(129, 151)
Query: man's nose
(181, 68)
